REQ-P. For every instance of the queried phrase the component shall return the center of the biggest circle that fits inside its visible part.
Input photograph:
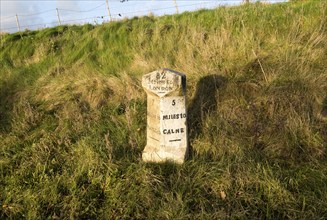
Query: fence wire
(102, 13)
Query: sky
(36, 14)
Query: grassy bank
(73, 117)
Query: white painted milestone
(167, 136)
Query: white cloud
(35, 14)
(68, 10)
(24, 10)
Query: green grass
(73, 117)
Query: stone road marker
(167, 137)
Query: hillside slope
(73, 117)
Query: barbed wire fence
(104, 13)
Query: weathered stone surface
(167, 137)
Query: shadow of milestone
(203, 103)
(324, 108)
(324, 114)
(8, 89)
